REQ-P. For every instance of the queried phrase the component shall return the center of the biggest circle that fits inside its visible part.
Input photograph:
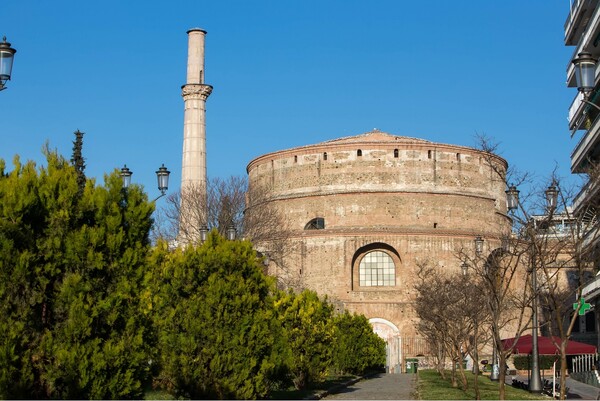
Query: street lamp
(7, 55)
(551, 197)
(231, 233)
(478, 244)
(535, 381)
(203, 233)
(512, 198)
(465, 268)
(162, 174)
(585, 73)
(126, 176)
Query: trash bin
(412, 365)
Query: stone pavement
(577, 390)
(381, 386)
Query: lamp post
(162, 175)
(551, 197)
(535, 382)
(231, 233)
(203, 233)
(551, 194)
(512, 198)
(478, 244)
(585, 75)
(464, 267)
(126, 176)
(7, 55)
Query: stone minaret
(194, 92)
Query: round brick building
(363, 211)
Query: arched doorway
(391, 335)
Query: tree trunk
(563, 371)
(476, 364)
(502, 375)
(454, 381)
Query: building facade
(365, 211)
(582, 32)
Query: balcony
(592, 289)
(576, 112)
(578, 19)
(588, 40)
(588, 147)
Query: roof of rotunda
(375, 136)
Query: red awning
(546, 346)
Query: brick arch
(361, 252)
(390, 333)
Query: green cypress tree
(213, 310)
(309, 331)
(71, 268)
(78, 161)
(357, 348)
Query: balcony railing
(579, 13)
(579, 156)
(575, 111)
(591, 290)
(587, 37)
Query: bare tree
(265, 225)
(547, 241)
(563, 263)
(230, 203)
(503, 271)
(193, 209)
(449, 317)
(505, 299)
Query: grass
(431, 386)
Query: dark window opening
(325, 156)
(590, 322)
(396, 153)
(359, 152)
(318, 223)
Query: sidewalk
(577, 390)
(381, 386)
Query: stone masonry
(411, 199)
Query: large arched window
(377, 269)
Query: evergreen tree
(308, 326)
(70, 273)
(212, 307)
(78, 161)
(356, 348)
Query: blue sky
(285, 74)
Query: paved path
(379, 387)
(577, 390)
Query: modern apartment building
(582, 32)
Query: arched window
(318, 223)
(396, 153)
(359, 152)
(325, 156)
(377, 269)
